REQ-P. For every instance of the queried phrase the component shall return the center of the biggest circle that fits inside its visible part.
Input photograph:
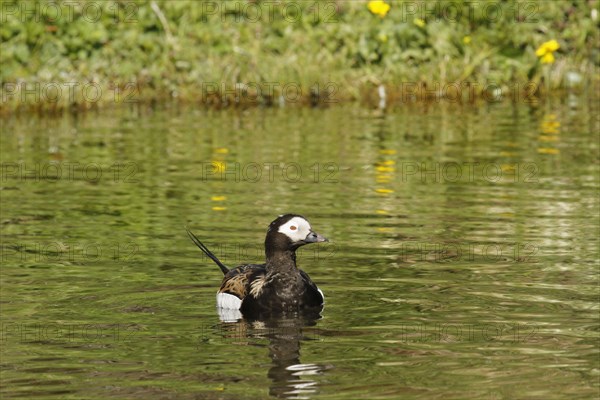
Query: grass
(90, 54)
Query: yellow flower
(218, 198)
(419, 22)
(548, 58)
(546, 48)
(552, 45)
(467, 39)
(378, 7)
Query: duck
(276, 287)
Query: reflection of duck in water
(290, 378)
(277, 287)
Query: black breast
(305, 299)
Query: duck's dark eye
(293, 228)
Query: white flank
(228, 301)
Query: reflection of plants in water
(288, 375)
(550, 133)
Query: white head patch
(296, 229)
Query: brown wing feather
(237, 281)
(235, 285)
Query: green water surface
(463, 261)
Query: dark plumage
(278, 286)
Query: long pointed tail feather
(206, 251)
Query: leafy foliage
(170, 48)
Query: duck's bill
(314, 237)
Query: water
(463, 261)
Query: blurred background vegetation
(86, 54)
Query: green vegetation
(87, 53)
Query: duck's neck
(281, 261)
